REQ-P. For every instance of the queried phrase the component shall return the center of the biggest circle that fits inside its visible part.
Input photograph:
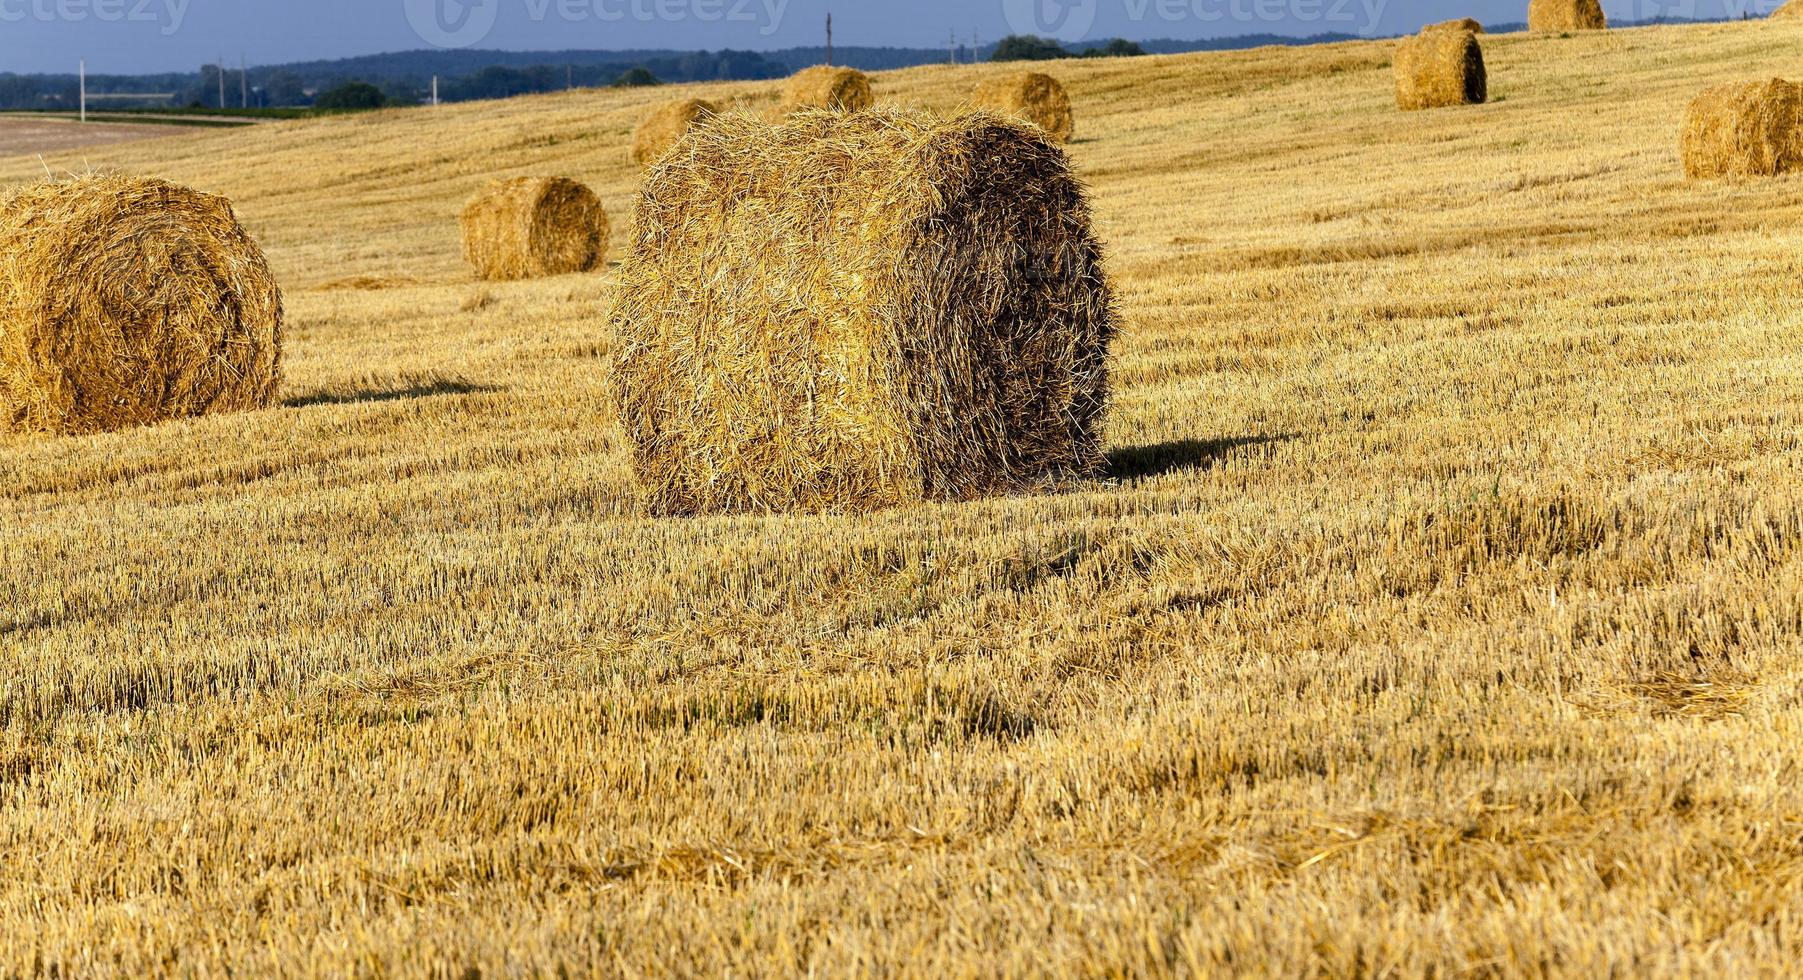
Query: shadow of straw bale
(1145, 462)
(427, 388)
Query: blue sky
(157, 35)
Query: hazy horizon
(140, 36)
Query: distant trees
(1117, 48)
(284, 88)
(18, 92)
(1026, 47)
(398, 95)
(637, 76)
(351, 97)
(498, 82)
(207, 89)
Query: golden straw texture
(1744, 129)
(848, 312)
(1033, 96)
(665, 125)
(1467, 24)
(1558, 16)
(827, 87)
(127, 301)
(1440, 68)
(1790, 11)
(529, 227)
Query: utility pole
(84, 90)
(829, 40)
(243, 83)
(221, 67)
(953, 47)
(569, 77)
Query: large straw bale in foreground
(665, 125)
(1790, 11)
(127, 301)
(1440, 68)
(849, 312)
(1744, 129)
(528, 227)
(1036, 97)
(1559, 16)
(827, 87)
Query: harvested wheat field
(1441, 611)
(31, 133)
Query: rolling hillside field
(23, 133)
(1442, 613)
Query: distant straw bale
(665, 125)
(1035, 97)
(1744, 129)
(529, 227)
(856, 311)
(827, 87)
(1440, 68)
(128, 301)
(1466, 24)
(1559, 16)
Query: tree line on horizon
(405, 79)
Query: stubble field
(23, 134)
(1443, 613)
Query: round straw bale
(827, 87)
(529, 227)
(1440, 68)
(129, 301)
(856, 311)
(1744, 129)
(1790, 11)
(665, 125)
(1032, 96)
(1559, 16)
(1466, 24)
